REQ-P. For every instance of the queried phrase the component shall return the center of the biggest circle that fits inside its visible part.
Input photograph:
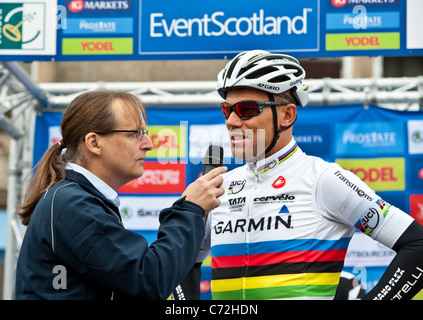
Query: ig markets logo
(96, 6)
(339, 3)
(76, 6)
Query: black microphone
(213, 158)
(189, 288)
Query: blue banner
(95, 26)
(372, 138)
(372, 20)
(80, 30)
(383, 147)
(208, 28)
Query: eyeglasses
(247, 108)
(138, 133)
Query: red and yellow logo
(170, 143)
(380, 174)
(158, 178)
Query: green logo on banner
(21, 26)
(11, 25)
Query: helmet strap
(275, 125)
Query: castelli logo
(339, 3)
(76, 5)
(279, 182)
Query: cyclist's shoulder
(316, 163)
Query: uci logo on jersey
(236, 186)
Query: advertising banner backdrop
(28, 27)
(75, 30)
(382, 147)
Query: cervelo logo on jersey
(282, 198)
(236, 186)
(251, 225)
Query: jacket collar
(80, 179)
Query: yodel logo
(380, 174)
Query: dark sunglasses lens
(247, 108)
(225, 110)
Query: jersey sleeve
(343, 197)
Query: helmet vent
(279, 79)
(232, 66)
(261, 72)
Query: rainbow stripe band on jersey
(281, 159)
(279, 269)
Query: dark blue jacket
(76, 247)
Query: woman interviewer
(75, 246)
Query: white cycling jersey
(284, 225)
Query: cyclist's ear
(287, 115)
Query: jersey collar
(271, 162)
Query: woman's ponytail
(48, 171)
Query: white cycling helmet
(270, 72)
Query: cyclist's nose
(234, 120)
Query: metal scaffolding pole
(396, 93)
(20, 163)
(19, 100)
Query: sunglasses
(247, 108)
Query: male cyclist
(285, 221)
